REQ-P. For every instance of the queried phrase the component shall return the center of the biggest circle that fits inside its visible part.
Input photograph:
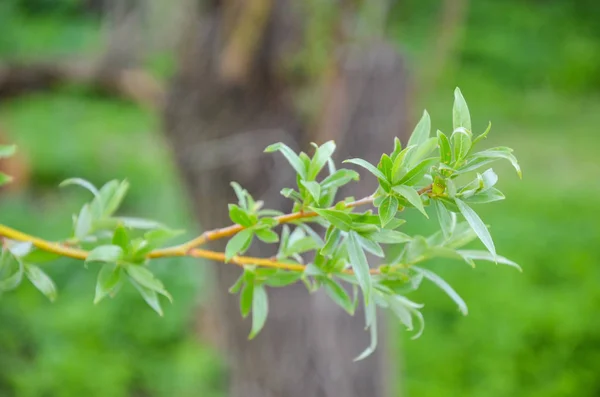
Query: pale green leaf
(358, 261)
(444, 286)
(105, 253)
(368, 166)
(422, 130)
(260, 310)
(109, 278)
(320, 158)
(238, 243)
(460, 112)
(477, 225)
(388, 210)
(41, 281)
(294, 160)
(412, 196)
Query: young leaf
(291, 157)
(484, 135)
(8, 261)
(388, 210)
(260, 310)
(359, 263)
(421, 131)
(371, 320)
(333, 238)
(445, 218)
(339, 178)
(121, 238)
(314, 189)
(486, 256)
(267, 235)
(444, 286)
(109, 277)
(246, 298)
(397, 148)
(149, 296)
(139, 223)
(283, 278)
(460, 112)
(238, 243)
(41, 281)
(412, 196)
(105, 253)
(338, 219)
(368, 166)
(421, 151)
(444, 145)
(146, 278)
(477, 225)
(413, 176)
(401, 311)
(385, 236)
(487, 196)
(461, 142)
(302, 245)
(240, 194)
(83, 183)
(487, 156)
(338, 294)
(385, 166)
(240, 216)
(112, 195)
(322, 155)
(84, 222)
(400, 164)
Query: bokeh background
(531, 67)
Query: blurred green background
(531, 67)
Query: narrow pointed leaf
(444, 286)
(460, 112)
(412, 196)
(422, 130)
(477, 225)
(41, 281)
(291, 157)
(358, 261)
(388, 210)
(260, 310)
(368, 166)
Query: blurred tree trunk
(232, 97)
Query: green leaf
(332, 240)
(121, 238)
(477, 225)
(413, 176)
(240, 194)
(7, 151)
(112, 195)
(460, 112)
(41, 281)
(486, 256)
(444, 145)
(338, 294)
(8, 261)
(421, 131)
(487, 196)
(388, 210)
(260, 310)
(105, 253)
(385, 166)
(150, 296)
(283, 278)
(246, 298)
(302, 245)
(368, 166)
(109, 278)
(461, 141)
(291, 157)
(487, 156)
(146, 278)
(359, 263)
(338, 219)
(267, 235)
(83, 183)
(339, 178)
(314, 189)
(371, 320)
(83, 226)
(37, 255)
(371, 246)
(385, 236)
(445, 218)
(489, 178)
(397, 148)
(444, 286)
(401, 311)
(138, 223)
(322, 154)
(238, 243)
(484, 135)
(421, 151)
(412, 196)
(399, 167)
(240, 216)
(237, 286)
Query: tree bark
(224, 107)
